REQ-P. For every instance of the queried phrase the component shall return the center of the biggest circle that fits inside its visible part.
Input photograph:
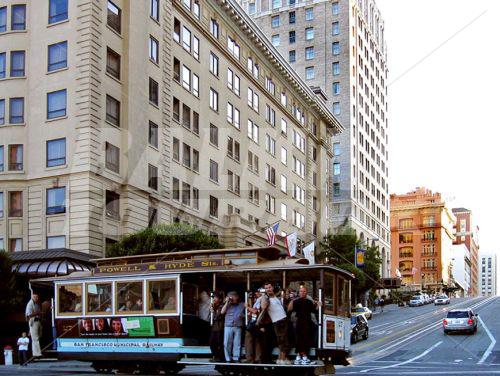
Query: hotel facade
(116, 115)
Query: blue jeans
(232, 343)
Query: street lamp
(422, 279)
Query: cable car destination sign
(161, 266)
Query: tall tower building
(488, 269)
(467, 233)
(117, 114)
(339, 46)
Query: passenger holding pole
(278, 316)
(234, 312)
(217, 332)
(303, 307)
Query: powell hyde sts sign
(159, 266)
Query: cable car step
(208, 361)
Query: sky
(444, 81)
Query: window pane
(114, 17)
(69, 299)
(129, 297)
(155, 9)
(17, 64)
(2, 111)
(15, 157)
(112, 204)
(153, 134)
(15, 204)
(16, 110)
(56, 200)
(54, 242)
(56, 152)
(56, 104)
(112, 110)
(2, 159)
(98, 297)
(162, 296)
(153, 91)
(3, 19)
(18, 21)
(58, 10)
(113, 63)
(112, 158)
(58, 56)
(3, 64)
(1, 209)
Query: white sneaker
(279, 362)
(298, 360)
(305, 361)
(286, 362)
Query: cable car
(148, 313)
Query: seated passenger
(171, 304)
(127, 306)
(138, 305)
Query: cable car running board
(208, 362)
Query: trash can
(7, 354)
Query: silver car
(460, 320)
(442, 299)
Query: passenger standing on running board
(234, 312)
(277, 313)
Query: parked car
(362, 311)
(442, 299)
(460, 320)
(359, 328)
(416, 300)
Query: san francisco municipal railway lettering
(159, 266)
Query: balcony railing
(405, 255)
(429, 267)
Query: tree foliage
(163, 238)
(339, 250)
(11, 292)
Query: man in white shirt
(22, 344)
(277, 314)
(34, 317)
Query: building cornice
(248, 26)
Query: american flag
(271, 233)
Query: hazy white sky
(444, 112)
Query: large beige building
(115, 115)
(339, 46)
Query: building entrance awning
(50, 262)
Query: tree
(339, 250)
(163, 238)
(12, 291)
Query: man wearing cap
(234, 312)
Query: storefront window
(69, 299)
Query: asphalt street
(402, 341)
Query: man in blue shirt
(234, 312)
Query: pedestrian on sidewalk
(382, 302)
(22, 344)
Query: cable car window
(343, 297)
(129, 297)
(162, 296)
(99, 298)
(69, 299)
(328, 296)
